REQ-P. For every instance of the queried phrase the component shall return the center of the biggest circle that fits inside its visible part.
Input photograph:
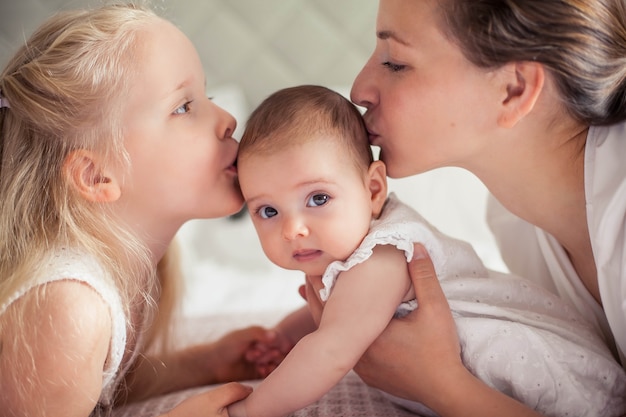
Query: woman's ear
(83, 172)
(524, 83)
(377, 178)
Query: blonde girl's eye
(266, 212)
(183, 109)
(317, 200)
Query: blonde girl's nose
(226, 125)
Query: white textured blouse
(531, 252)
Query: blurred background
(255, 46)
(249, 49)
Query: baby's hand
(268, 355)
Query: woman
(530, 97)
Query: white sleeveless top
(69, 264)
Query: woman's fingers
(424, 278)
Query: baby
(319, 203)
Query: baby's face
(309, 204)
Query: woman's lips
(305, 255)
(372, 135)
(373, 138)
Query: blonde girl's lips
(306, 255)
(232, 169)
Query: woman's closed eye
(317, 200)
(393, 67)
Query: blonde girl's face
(427, 105)
(310, 206)
(180, 145)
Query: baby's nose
(294, 227)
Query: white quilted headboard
(257, 45)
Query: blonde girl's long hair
(65, 87)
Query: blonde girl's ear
(523, 82)
(377, 178)
(86, 175)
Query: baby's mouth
(306, 254)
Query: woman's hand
(418, 357)
(423, 345)
(211, 403)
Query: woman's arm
(362, 302)
(427, 364)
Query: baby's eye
(318, 200)
(267, 212)
(393, 67)
(183, 109)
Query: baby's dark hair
(297, 115)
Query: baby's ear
(377, 177)
(84, 172)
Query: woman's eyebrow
(388, 34)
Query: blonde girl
(108, 145)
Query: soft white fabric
(67, 264)
(531, 252)
(400, 225)
(516, 336)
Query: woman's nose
(293, 228)
(363, 92)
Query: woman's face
(427, 106)
(180, 145)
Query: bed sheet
(349, 398)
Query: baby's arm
(363, 301)
(52, 358)
(296, 325)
